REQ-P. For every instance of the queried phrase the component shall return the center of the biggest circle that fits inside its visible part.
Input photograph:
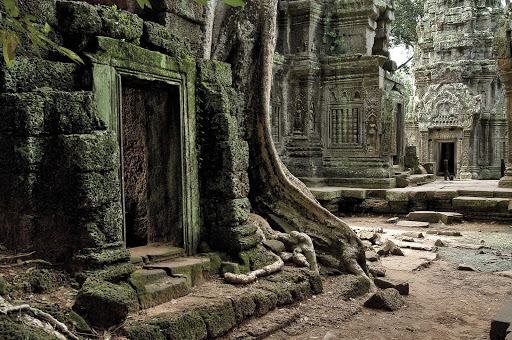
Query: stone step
(265, 326)
(153, 253)
(155, 287)
(215, 308)
(481, 205)
(195, 269)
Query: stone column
(502, 52)
(506, 78)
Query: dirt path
(444, 303)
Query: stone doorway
(446, 151)
(151, 162)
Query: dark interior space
(447, 151)
(151, 162)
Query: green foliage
(407, 15)
(13, 23)
(143, 3)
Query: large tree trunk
(246, 38)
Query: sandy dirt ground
(444, 302)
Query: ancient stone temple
(458, 113)
(337, 107)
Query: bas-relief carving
(448, 106)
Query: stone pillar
(506, 78)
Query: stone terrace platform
(475, 199)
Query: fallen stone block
(386, 248)
(392, 220)
(424, 216)
(407, 239)
(401, 287)
(275, 245)
(439, 243)
(377, 271)
(371, 256)
(450, 217)
(444, 232)
(388, 299)
(501, 322)
(396, 251)
(412, 224)
(369, 235)
(467, 268)
(507, 273)
(414, 234)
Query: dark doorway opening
(151, 156)
(447, 151)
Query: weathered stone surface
(450, 217)
(28, 75)
(439, 243)
(392, 220)
(229, 267)
(3, 285)
(159, 38)
(353, 286)
(103, 303)
(444, 232)
(377, 271)
(388, 299)
(275, 245)
(424, 216)
(415, 234)
(371, 256)
(78, 18)
(369, 235)
(412, 224)
(501, 322)
(465, 267)
(386, 248)
(401, 287)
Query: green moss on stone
(244, 307)
(182, 326)
(141, 331)
(12, 330)
(3, 285)
(120, 24)
(214, 72)
(219, 318)
(160, 38)
(78, 18)
(103, 303)
(265, 301)
(42, 281)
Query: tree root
(251, 276)
(6, 308)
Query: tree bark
(246, 38)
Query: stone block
(275, 245)
(97, 151)
(226, 185)
(424, 216)
(44, 11)
(222, 127)
(397, 196)
(227, 156)
(219, 318)
(265, 301)
(388, 299)
(352, 286)
(501, 322)
(176, 326)
(227, 212)
(49, 112)
(27, 75)
(160, 38)
(104, 304)
(78, 18)
(214, 72)
(190, 10)
(217, 99)
(401, 287)
(120, 24)
(400, 207)
(354, 193)
(183, 27)
(244, 306)
(450, 217)
(481, 204)
(412, 224)
(22, 154)
(229, 267)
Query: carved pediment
(448, 106)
